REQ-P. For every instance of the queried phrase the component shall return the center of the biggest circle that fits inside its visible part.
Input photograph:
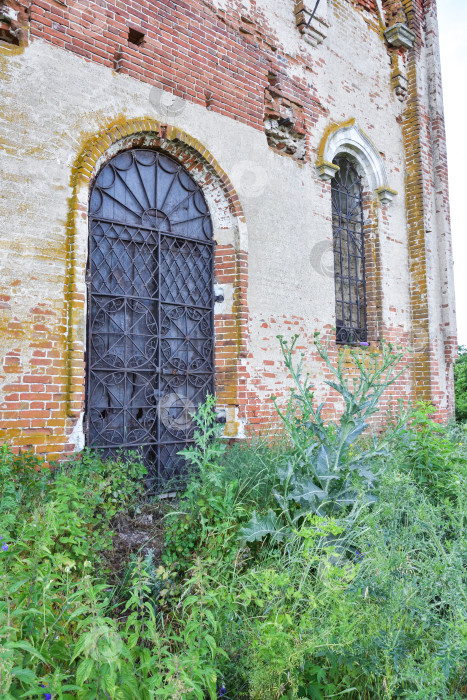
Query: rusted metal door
(150, 350)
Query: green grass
(108, 593)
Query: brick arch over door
(230, 260)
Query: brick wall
(255, 98)
(187, 48)
(427, 191)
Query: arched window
(349, 254)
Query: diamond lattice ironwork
(150, 356)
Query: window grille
(349, 254)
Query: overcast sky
(452, 16)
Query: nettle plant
(211, 511)
(327, 474)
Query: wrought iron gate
(150, 351)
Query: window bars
(349, 254)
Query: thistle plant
(327, 475)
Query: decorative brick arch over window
(349, 139)
(231, 312)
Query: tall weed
(358, 591)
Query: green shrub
(21, 481)
(53, 607)
(368, 607)
(348, 596)
(410, 590)
(433, 455)
(326, 475)
(385, 620)
(460, 384)
(209, 502)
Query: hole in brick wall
(209, 98)
(8, 34)
(283, 120)
(14, 22)
(10, 22)
(135, 36)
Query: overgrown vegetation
(331, 565)
(460, 383)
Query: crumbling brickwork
(245, 96)
(14, 18)
(394, 12)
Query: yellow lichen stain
(331, 129)
(386, 189)
(8, 51)
(231, 429)
(411, 131)
(53, 249)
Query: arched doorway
(150, 342)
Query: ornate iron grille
(349, 254)
(150, 351)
